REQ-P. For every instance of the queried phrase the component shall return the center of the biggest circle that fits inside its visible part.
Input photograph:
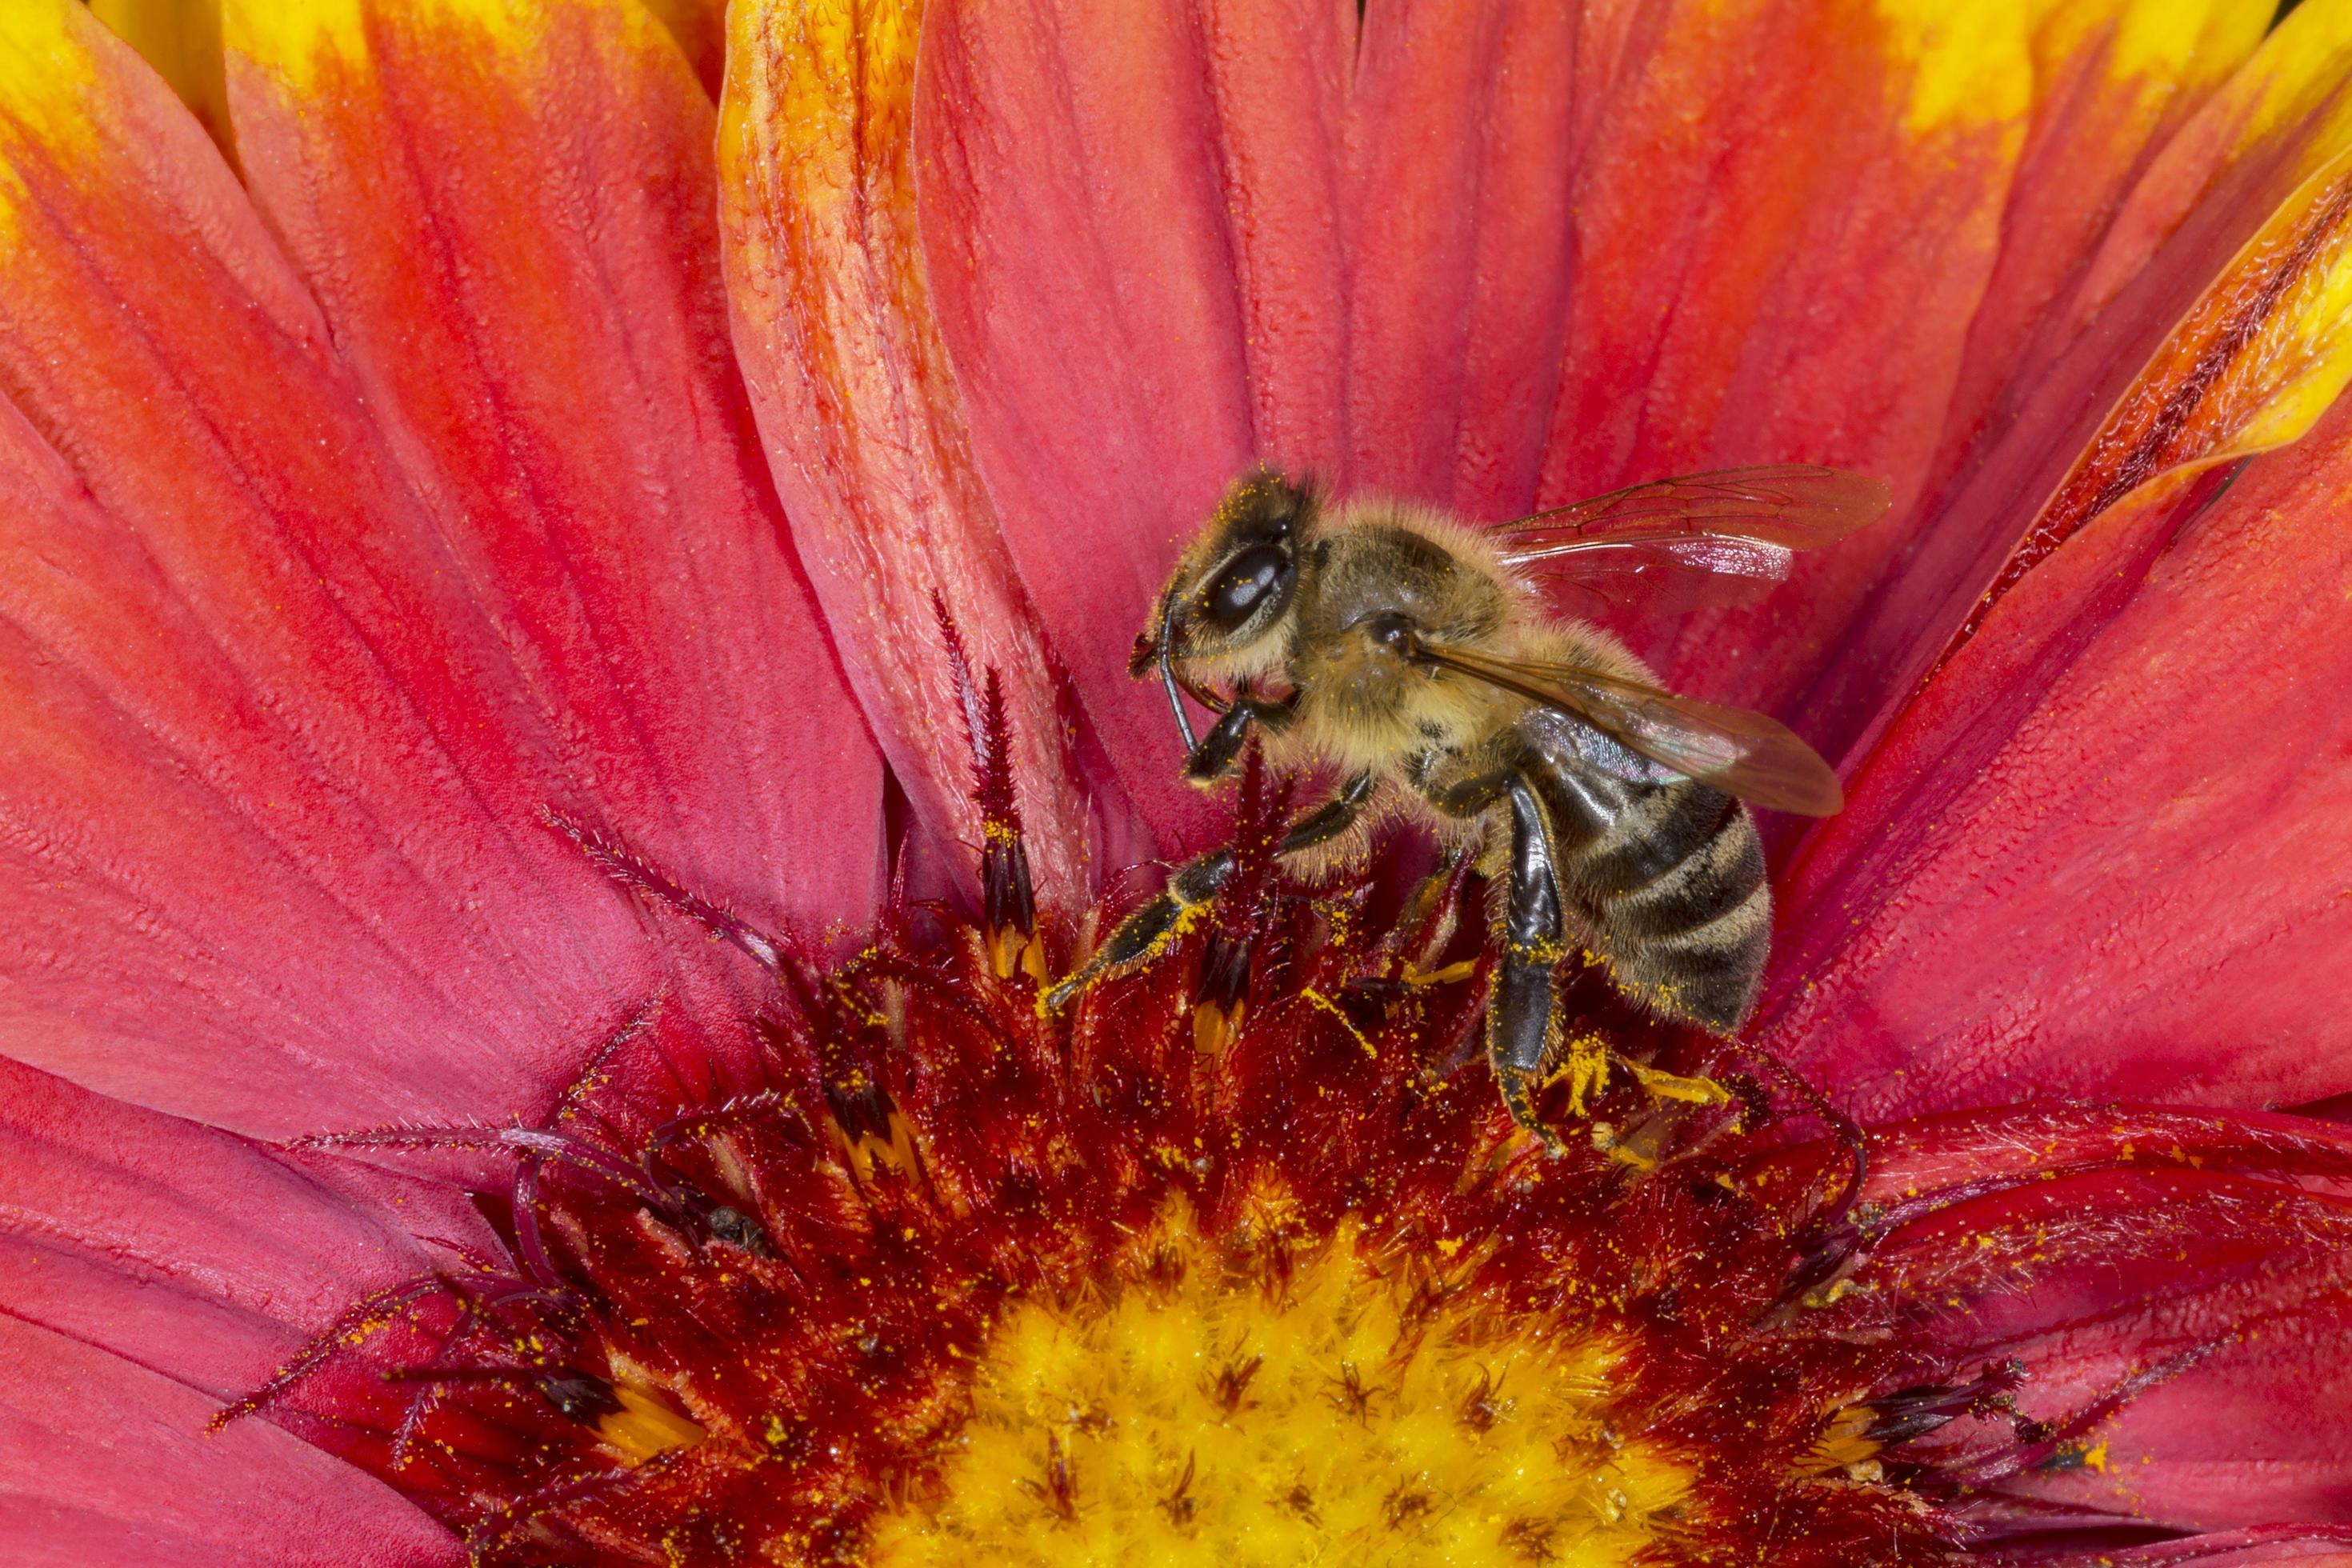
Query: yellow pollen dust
(1348, 1416)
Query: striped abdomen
(1665, 880)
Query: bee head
(1236, 580)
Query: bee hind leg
(1521, 1027)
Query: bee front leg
(1214, 757)
(1196, 884)
(1330, 819)
(1150, 929)
(1520, 1027)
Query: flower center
(1281, 1407)
(1235, 1260)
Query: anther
(1899, 1416)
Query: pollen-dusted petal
(282, 721)
(1786, 218)
(2218, 1299)
(519, 258)
(2026, 1143)
(2103, 852)
(2264, 1546)
(2256, 1432)
(102, 1460)
(863, 425)
(2176, 1288)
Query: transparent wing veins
(1737, 751)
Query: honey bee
(1421, 657)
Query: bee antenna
(1167, 672)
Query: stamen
(632, 872)
(530, 1141)
(1008, 902)
(357, 1323)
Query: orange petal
(863, 422)
(2113, 81)
(182, 39)
(1785, 221)
(2256, 359)
(2185, 258)
(700, 28)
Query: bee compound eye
(1244, 585)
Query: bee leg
(1214, 757)
(1471, 796)
(1196, 884)
(1151, 928)
(1519, 1023)
(1330, 819)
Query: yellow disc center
(1333, 1410)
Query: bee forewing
(1796, 506)
(1736, 750)
(1665, 576)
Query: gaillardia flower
(564, 651)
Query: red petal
(288, 695)
(1785, 221)
(102, 1462)
(157, 1220)
(863, 423)
(1074, 215)
(553, 364)
(1162, 247)
(2103, 853)
(1461, 127)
